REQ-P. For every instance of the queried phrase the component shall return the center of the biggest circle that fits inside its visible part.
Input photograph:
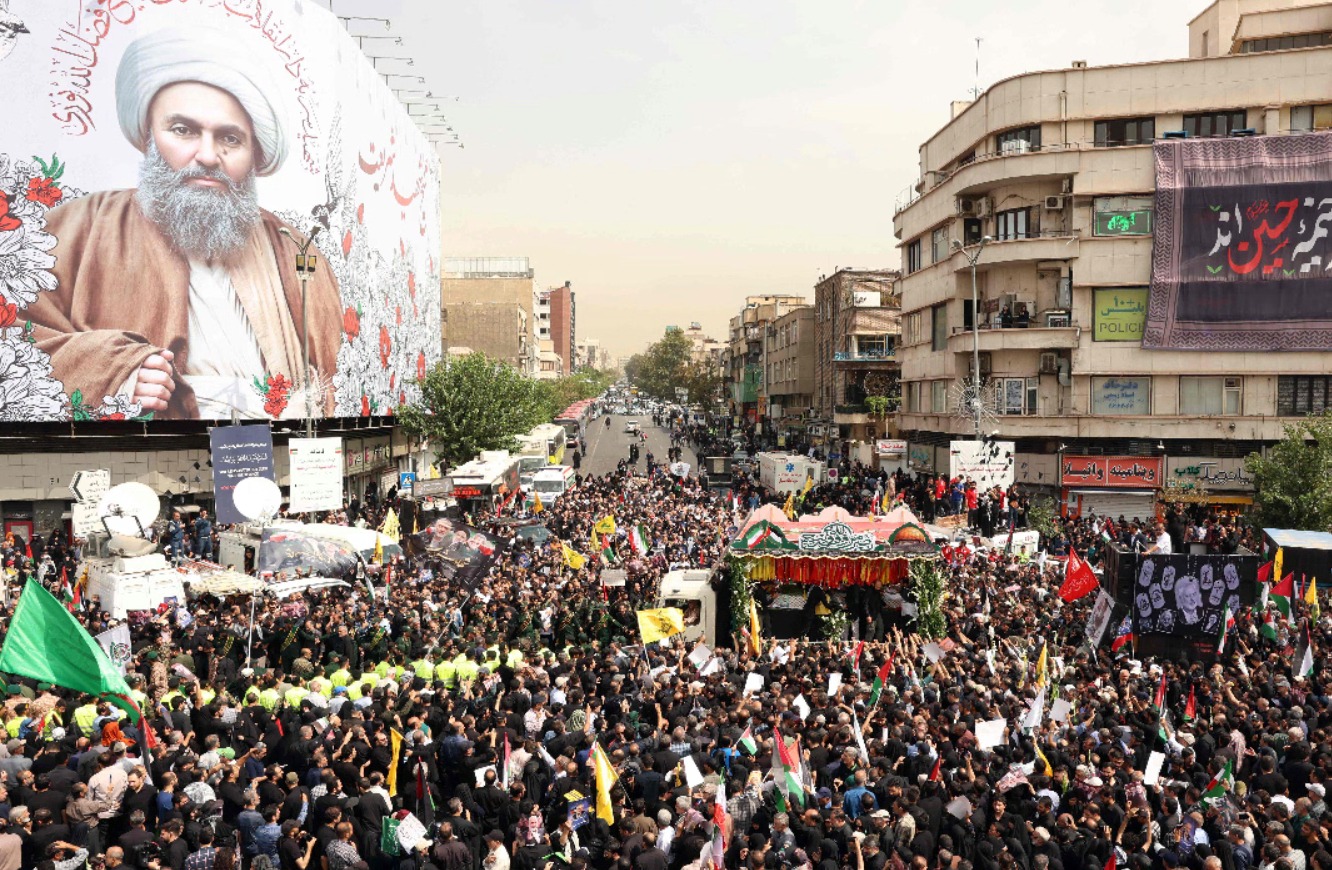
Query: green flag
(45, 642)
(1224, 779)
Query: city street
(608, 446)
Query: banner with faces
(1185, 595)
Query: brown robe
(123, 295)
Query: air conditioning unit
(1054, 203)
(966, 206)
(1049, 363)
(985, 364)
(983, 206)
(1057, 319)
(1232, 383)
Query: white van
(553, 482)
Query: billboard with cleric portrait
(161, 162)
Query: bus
(575, 418)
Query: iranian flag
(638, 540)
(747, 741)
(1224, 779)
(719, 824)
(1227, 626)
(880, 679)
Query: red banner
(1114, 472)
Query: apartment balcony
(1028, 247)
(851, 357)
(1017, 338)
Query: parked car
(631, 427)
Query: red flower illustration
(385, 346)
(397, 312)
(402, 398)
(7, 222)
(393, 379)
(365, 406)
(411, 284)
(275, 400)
(421, 366)
(351, 323)
(347, 243)
(118, 415)
(360, 213)
(8, 314)
(45, 191)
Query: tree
(474, 403)
(663, 367)
(1293, 481)
(563, 392)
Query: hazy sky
(669, 158)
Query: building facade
(745, 365)
(563, 325)
(1057, 169)
(790, 371)
(490, 304)
(856, 379)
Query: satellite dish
(128, 509)
(257, 498)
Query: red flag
(1265, 572)
(855, 655)
(937, 770)
(1078, 579)
(1191, 705)
(1113, 863)
(1160, 694)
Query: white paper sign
(801, 705)
(779, 654)
(959, 808)
(753, 683)
(834, 682)
(909, 608)
(990, 734)
(1059, 710)
(88, 488)
(693, 776)
(713, 665)
(1036, 713)
(480, 774)
(316, 473)
(700, 654)
(410, 832)
(1152, 775)
(933, 652)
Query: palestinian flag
(854, 653)
(638, 540)
(786, 771)
(1265, 572)
(1124, 635)
(608, 553)
(1159, 701)
(747, 743)
(1113, 862)
(67, 591)
(1224, 779)
(1269, 626)
(1227, 627)
(1305, 668)
(1191, 706)
(936, 772)
(880, 679)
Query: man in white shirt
(1162, 545)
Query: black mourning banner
(1242, 244)
(1186, 596)
(456, 550)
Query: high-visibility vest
(423, 668)
(446, 671)
(295, 695)
(270, 699)
(341, 677)
(84, 717)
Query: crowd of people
(475, 706)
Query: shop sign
(1111, 472)
(1210, 472)
(890, 447)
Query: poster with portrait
(1186, 595)
(457, 551)
(162, 166)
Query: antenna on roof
(975, 92)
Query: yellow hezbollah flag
(537, 506)
(606, 525)
(1042, 667)
(885, 505)
(1276, 566)
(572, 557)
(755, 642)
(594, 544)
(660, 623)
(606, 779)
(391, 526)
(789, 507)
(379, 550)
(395, 749)
(1311, 597)
(809, 484)
(1044, 762)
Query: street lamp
(305, 266)
(975, 330)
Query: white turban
(169, 56)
